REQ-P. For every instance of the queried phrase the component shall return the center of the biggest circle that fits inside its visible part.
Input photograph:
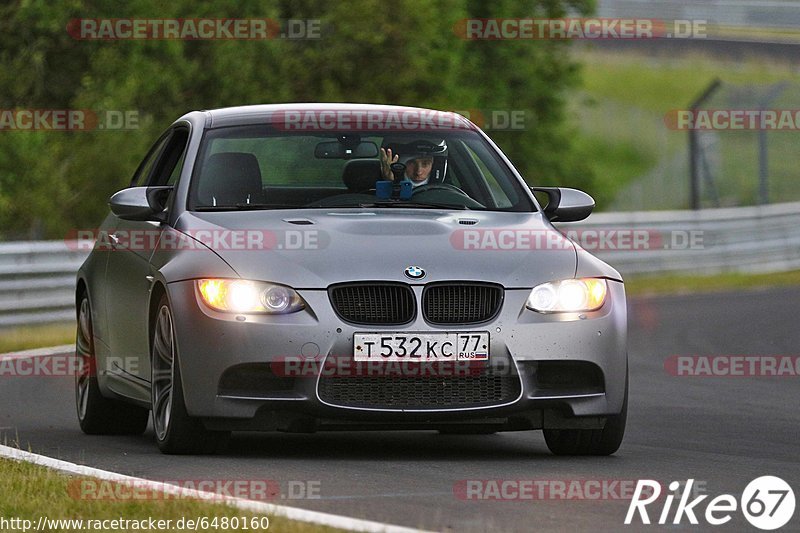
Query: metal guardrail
(37, 279)
(735, 13)
(737, 239)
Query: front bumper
(210, 343)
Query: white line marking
(395, 495)
(39, 352)
(292, 513)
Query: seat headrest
(361, 174)
(231, 178)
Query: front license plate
(425, 347)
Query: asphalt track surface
(721, 431)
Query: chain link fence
(750, 166)
(737, 162)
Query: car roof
(269, 113)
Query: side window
(176, 172)
(146, 166)
(169, 165)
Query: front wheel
(176, 431)
(604, 441)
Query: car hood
(312, 249)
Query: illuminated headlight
(242, 296)
(568, 296)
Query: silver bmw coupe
(311, 267)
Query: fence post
(694, 151)
(763, 153)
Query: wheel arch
(81, 289)
(156, 293)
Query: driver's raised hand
(386, 160)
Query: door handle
(114, 239)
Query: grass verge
(28, 337)
(661, 83)
(681, 284)
(28, 491)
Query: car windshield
(262, 167)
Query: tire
(604, 441)
(177, 433)
(98, 415)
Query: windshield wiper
(433, 205)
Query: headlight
(242, 296)
(568, 296)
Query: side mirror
(566, 205)
(140, 203)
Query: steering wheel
(439, 187)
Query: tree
(407, 52)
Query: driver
(417, 158)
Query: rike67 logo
(767, 503)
